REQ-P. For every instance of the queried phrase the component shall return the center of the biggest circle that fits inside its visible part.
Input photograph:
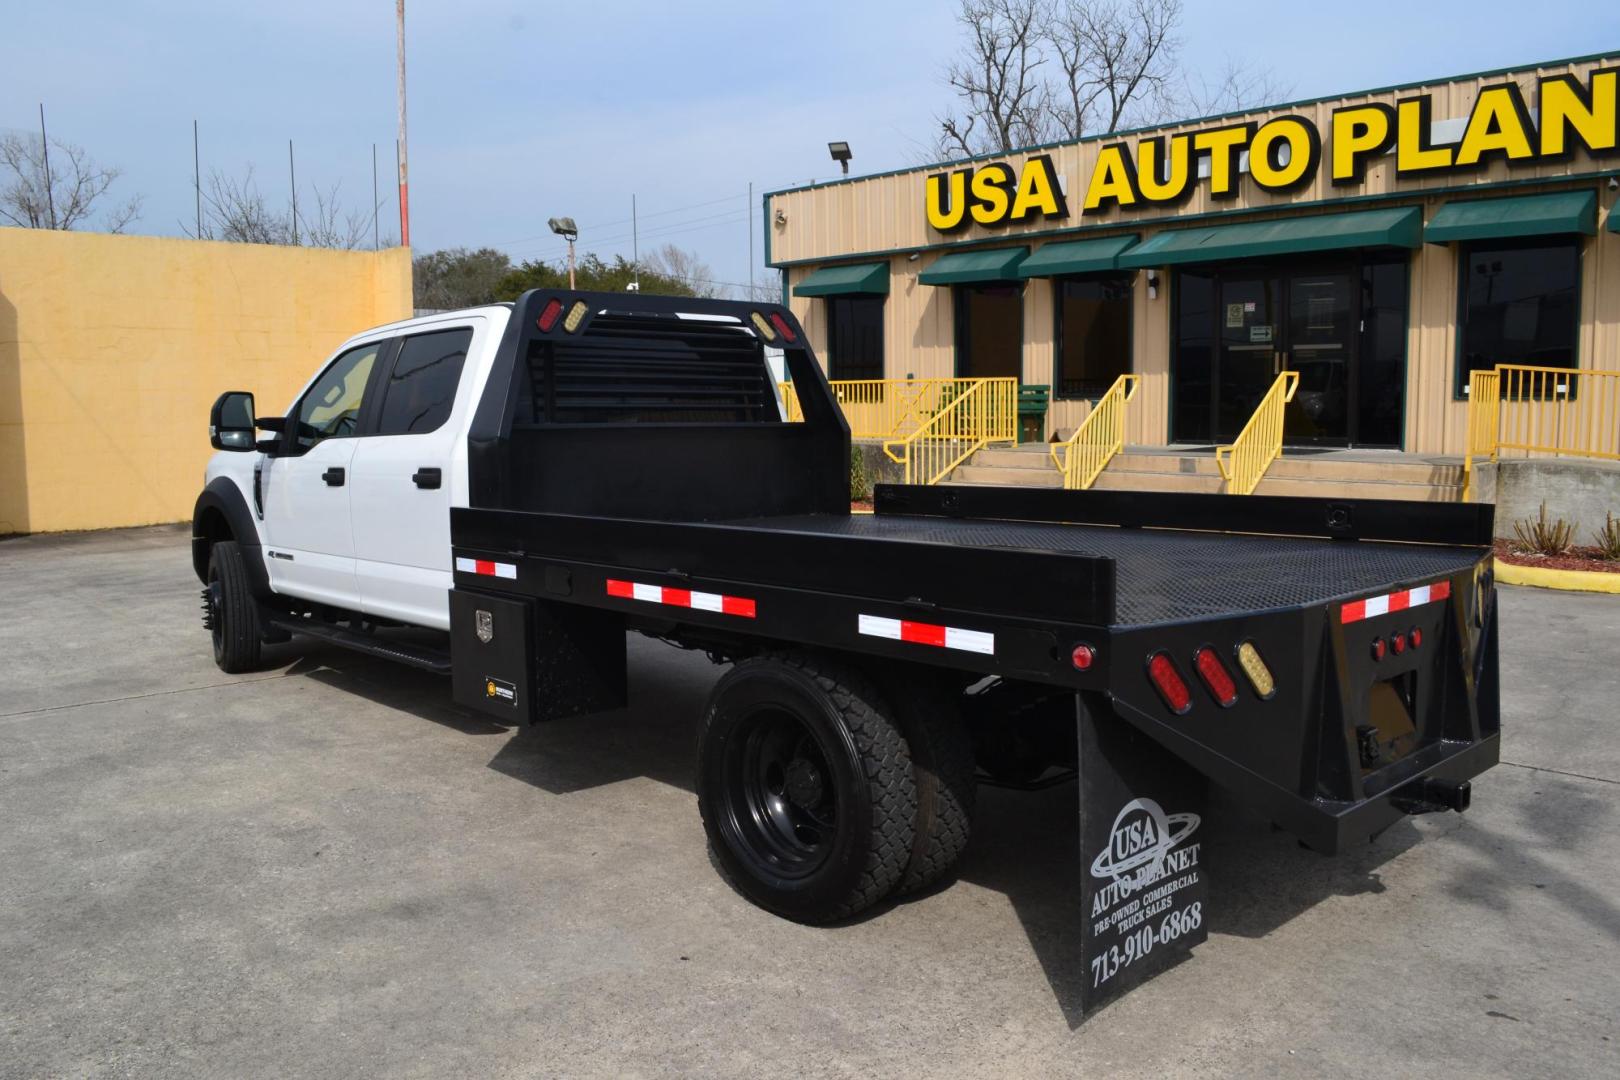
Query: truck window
(422, 387)
(331, 407)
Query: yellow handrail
(1532, 409)
(1099, 437)
(1245, 460)
(1484, 418)
(986, 411)
(883, 408)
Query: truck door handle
(427, 478)
(333, 477)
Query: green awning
(860, 279)
(1076, 257)
(1401, 227)
(970, 267)
(1522, 215)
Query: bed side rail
(1068, 588)
(1458, 524)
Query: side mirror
(230, 421)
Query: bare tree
(235, 210)
(685, 267)
(1033, 71)
(75, 187)
(1005, 102)
(1238, 86)
(1117, 60)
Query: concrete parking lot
(325, 869)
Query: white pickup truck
(348, 504)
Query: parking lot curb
(1598, 581)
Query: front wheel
(805, 785)
(229, 610)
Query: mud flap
(1143, 890)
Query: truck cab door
(309, 536)
(411, 470)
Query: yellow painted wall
(112, 349)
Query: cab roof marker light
(576, 315)
(764, 328)
(1255, 670)
(548, 315)
(781, 324)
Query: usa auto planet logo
(1140, 845)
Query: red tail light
(1397, 644)
(783, 327)
(1378, 648)
(1083, 656)
(1169, 683)
(1417, 636)
(1215, 676)
(548, 314)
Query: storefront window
(1519, 305)
(1380, 376)
(1093, 334)
(989, 331)
(855, 337)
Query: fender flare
(222, 502)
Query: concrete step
(1020, 458)
(981, 474)
(1156, 481)
(1190, 464)
(1395, 470)
(1358, 489)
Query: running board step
(417, 656)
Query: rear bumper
(1331, 827)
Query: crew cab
(503, 494)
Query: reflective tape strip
(686, 598)
(945, 637)
(486, 568)
(1356, 610)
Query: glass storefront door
(1340, 324)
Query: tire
(947, 785)
(805, 786)
(230, 612)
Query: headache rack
(671, 397)
(638, 368)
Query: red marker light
(1378, 648)
(548, 315)
(1083, 656)
(1169, 683)
(1397, 643)
(782, 326)
(1215, 676)
(1417, 637)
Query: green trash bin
(1032, 405)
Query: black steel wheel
(805, 786)
(229, 610)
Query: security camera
(1614, 183)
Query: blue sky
(523, 111)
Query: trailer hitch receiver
(1432, 795)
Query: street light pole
(565, 228)
(404, 181)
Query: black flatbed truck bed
(612, 492)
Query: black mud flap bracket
(1143, 890)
